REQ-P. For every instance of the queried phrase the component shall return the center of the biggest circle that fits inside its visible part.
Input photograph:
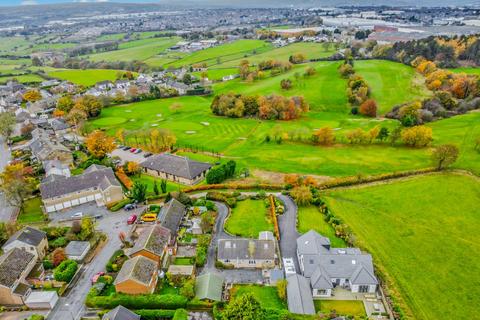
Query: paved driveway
(72, 305)
(126, 156)
(287, 223)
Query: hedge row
(120, 204)
(151, 301)
(65, 271)
(155, 314)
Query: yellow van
(149, 217)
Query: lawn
(183, 261)
(467, 70)
(31, 212)
(141, 50)
(23, 78)
(267, 296)
(149, 181)
(422, 233)
(354, 308)
(85, 78)
(217, 74)
(311, 218)
(391, 83)
(225, 52)
(248, 219)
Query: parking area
(126, 155)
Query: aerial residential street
(72, 306)
(6, 211)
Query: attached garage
(83, 200)
(98, 196)
(90, 198)
(75, 202)
(59, 206)
(51, 209)
(67, 204)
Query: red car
(133, 150)
(132, 219)
(96, 276)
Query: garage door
(51, 209)
(90, 198)
(98, 196)
(83, 199)
(75, 202)
(67, 204)
(59, 206)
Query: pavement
(7, 213)
(287, 223)
(127, 156)
(72, 306)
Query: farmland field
(85, 78)
(311, 218)
(22, 78)
(391, 83)
(422, 237)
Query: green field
(311, 218)
(467, 70)
(391, 83)
(22, 78)
(225, 52)
(267, 296)
(85, 78)
(422, 232)
(141, 50)
(217, 74)
(248, 219)
(310, 50)
(353, 308)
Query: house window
(321, 292)
(363, 288)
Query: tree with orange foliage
(132, 168)
(32, 95)
(58, 256)
(291, 179)
(426, 67)
(310, 181)
(369, 108)
(58, 113)
(323, 136)
(99, 144)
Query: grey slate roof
(320, 279)
(13, 264)
(312, 243)
(42, 145)
(139, 269)
(209, 286)
(171, 215)
(95, 176)
(28, 235)
(154, 239)
(76, 248)
(299, 295)
(120, 313)
(250, 249)
(176, 165)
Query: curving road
(7, 213)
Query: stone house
(247, 253)
(97, 183)
(45, 147)
(137, 276)
(152, 243)
(29, 239)
(175, 168)
(15, 265)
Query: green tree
(155, 188)
(139, 191)
(188, 289)
(383, 134)
(302, 195)
(282, 289)
(88, 229)
(7, 123)
(65, 104)
(245, 307)
(163, 185)
(445, 155)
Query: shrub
(47, 264)
(120, 204)
(155, 314)
(180, 314)
(150, 301)
(65, 271)
(369, 108)
(418, 136)
(57, 243)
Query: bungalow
(152, 243)
(97, 183)
(327, 268)
(15, 265)
(137, 276)
(171, 215)
(247, 253)
(77, 250)
(120, 313)
(29, 239)
(175, 168)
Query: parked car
(132, 219)
(138, 151)
(129, 206)
(77, 215)
(133, 150)
(126, 148)
(147, 154)
(120, 146)
(97, 275)
(149, 217)
(98, 216)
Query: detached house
(97, 183)
(29, 239)
(15, 265)
(152, 243)
(137, 276)
(44, 147)
(248, 253)
(327, 268)
(175, 168)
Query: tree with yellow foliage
(32, 95)
(323, 136)
(417, 137)
(99, 144)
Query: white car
(289, 267)
(77, 215)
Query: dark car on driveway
(129, 206)
(147, 154)
(126, 148)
